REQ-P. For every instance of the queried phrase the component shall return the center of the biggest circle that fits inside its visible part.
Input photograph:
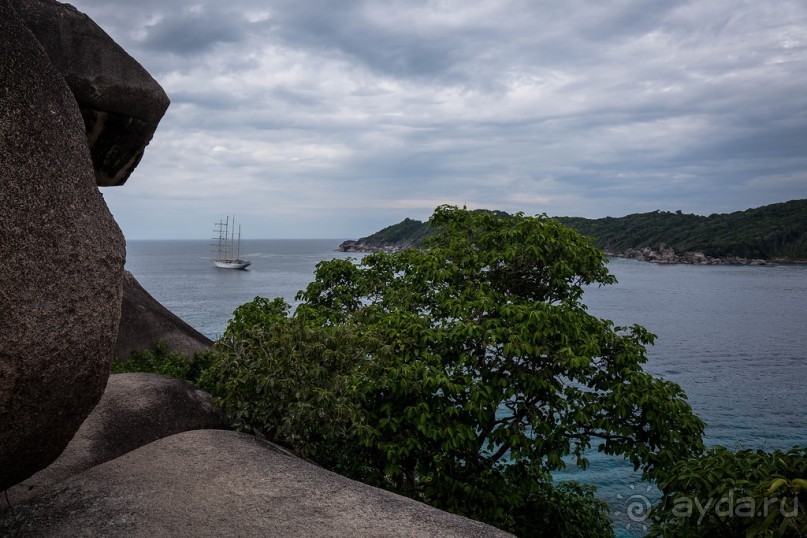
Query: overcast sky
(312, 118)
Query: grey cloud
(342, 29)
(579, 106)
(191, 33)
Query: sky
(334, 119)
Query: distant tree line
(772, 231)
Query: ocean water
(734, 337)
(180, 275)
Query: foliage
(161, 360)
(727, 494)
(460, 375)
(288, 381)
(411, 232)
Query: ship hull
(231, 264)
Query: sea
(734, 337)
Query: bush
(161, 360)
(726, 494)
(287, 381)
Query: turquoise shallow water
(734, 337)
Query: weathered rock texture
(120, 102)
(61, 261)
(135, 410)
(144, 322)
(220, 483)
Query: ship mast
(221, 228)
(232, 241)
(226, 229)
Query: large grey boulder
(61, 261)
(221, 483)
(135, 410)
(144, 322)
(120, 102)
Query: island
(775, 233)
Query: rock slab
(61, 261)
(221, 483)
(135, 410)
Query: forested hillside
(772, 231)
(407, 232)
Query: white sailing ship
(228, 248)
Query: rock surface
(135, 410)
(61, 261)
(221, 483)
(144, 322)
(120, 102)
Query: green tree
(461, 374)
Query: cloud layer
(323, 119)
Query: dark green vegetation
(463, 374)
(161, 360)
(407, 232)
(724, 494)
(772, 231)
(412, 233)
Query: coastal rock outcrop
(121, 104)
(136, 409)
(144, 322)
(666, 254)
(352, 245)
(222, 483)
(61, 260)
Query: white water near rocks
(734, 337)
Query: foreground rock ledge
(136, 409)
(221, 483)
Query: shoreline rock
(667, 255)
(358, 246)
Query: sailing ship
(228, 248)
